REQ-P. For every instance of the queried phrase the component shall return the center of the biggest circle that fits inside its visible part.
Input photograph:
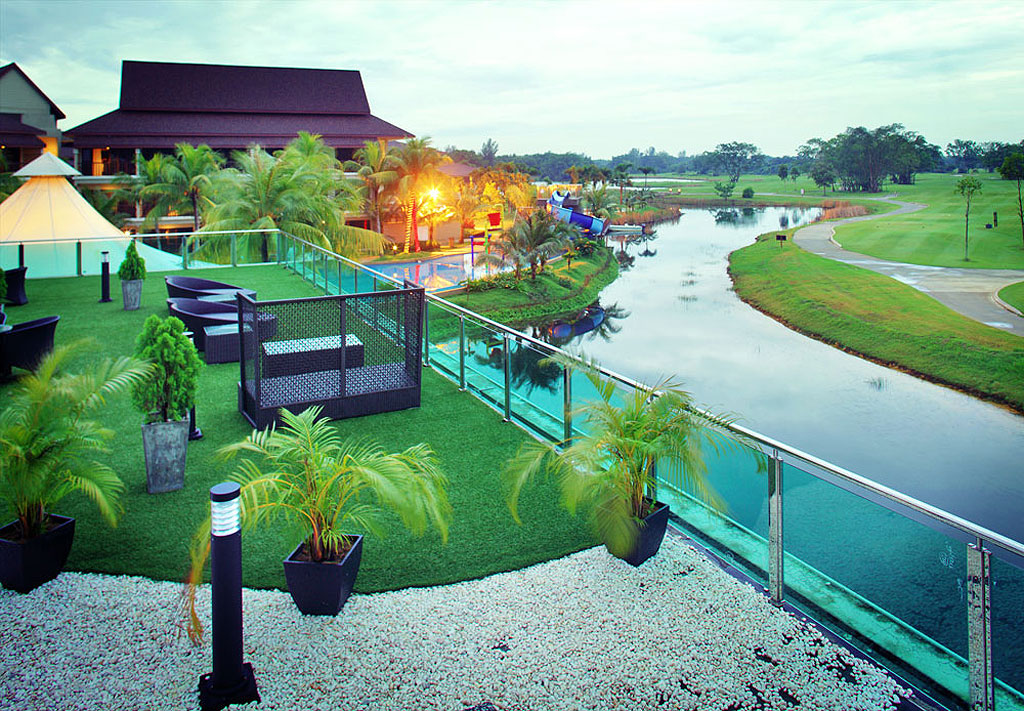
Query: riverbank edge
(994, 398)
(565, 306)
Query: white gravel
(584, 632)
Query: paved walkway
(971, 292)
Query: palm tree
(326, 489)
(296, 191)
(186, 178)
(465, 204)
(417, 163)
(597, 202)
(610, 469)
(47, 441)
(646, 170)
(539, 237)
(620, 177)
(376, 167)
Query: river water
(936, 444)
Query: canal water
(672, 311)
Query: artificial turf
(151, 540)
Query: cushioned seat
(198, 315)
(26, 344)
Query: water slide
(594, 225)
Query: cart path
(971, 292)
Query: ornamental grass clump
(170, 389)
(47, 441)
(610, 469)
(323, 488)
(133, 268)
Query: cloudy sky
(594, 77)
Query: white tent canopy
(49, 218)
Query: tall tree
(376, 166)
(1013, 169)
(290, 191)
(967, 187)
(417, 165)
(783, 172)
(734, 158)
(965, 154)
(489, 152)
(597, 202)
(188, 174)
(620, 178)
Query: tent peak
(45, 165)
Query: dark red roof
(226, 107)
(162, 130)
(12, 67)
(16, 134)
(163, 86)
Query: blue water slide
(595, 225)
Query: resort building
(28, 119)
(227, 108)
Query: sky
(594, 77)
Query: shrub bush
(502, 280)
(170, 390)
(748, 193)
(134, 266)
(584, 247)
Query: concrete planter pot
(131, 293)
(165, 445)
(27, 564)
(322, 588)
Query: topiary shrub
(748, 193)
(170, 390)
(133, 267)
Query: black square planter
(26, 565)
(322, 588)
(650, 534)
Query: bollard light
(105, 277)
(232, 681)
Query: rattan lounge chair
(196, 288)
(26, 344)
(198, 315)
(16, 286)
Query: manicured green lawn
(152, 538)
(557, 291)
(881, 318)
(935, 236)
(1014, 295)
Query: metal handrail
(933, 512)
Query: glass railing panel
(725, 506)
(888, 577)
(209, 250)
(1008, 630)
(443, 339)
(485, 375)
(255, 248)
(537, 390)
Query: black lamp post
(232, 681)
(105, 278)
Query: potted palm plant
(132, 272)
(325, 487)
(165, 397)
(47, 442)
(610, 470)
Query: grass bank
(1014, 295)
(879, 318)
(561, 290)
(935, 236)
(469, 438)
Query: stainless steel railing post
(507, 358)
(234, 250)
(567, 405)
(462, 352)
(776, 550)
(426, 333)
(979, 628)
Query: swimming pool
(438, 273)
